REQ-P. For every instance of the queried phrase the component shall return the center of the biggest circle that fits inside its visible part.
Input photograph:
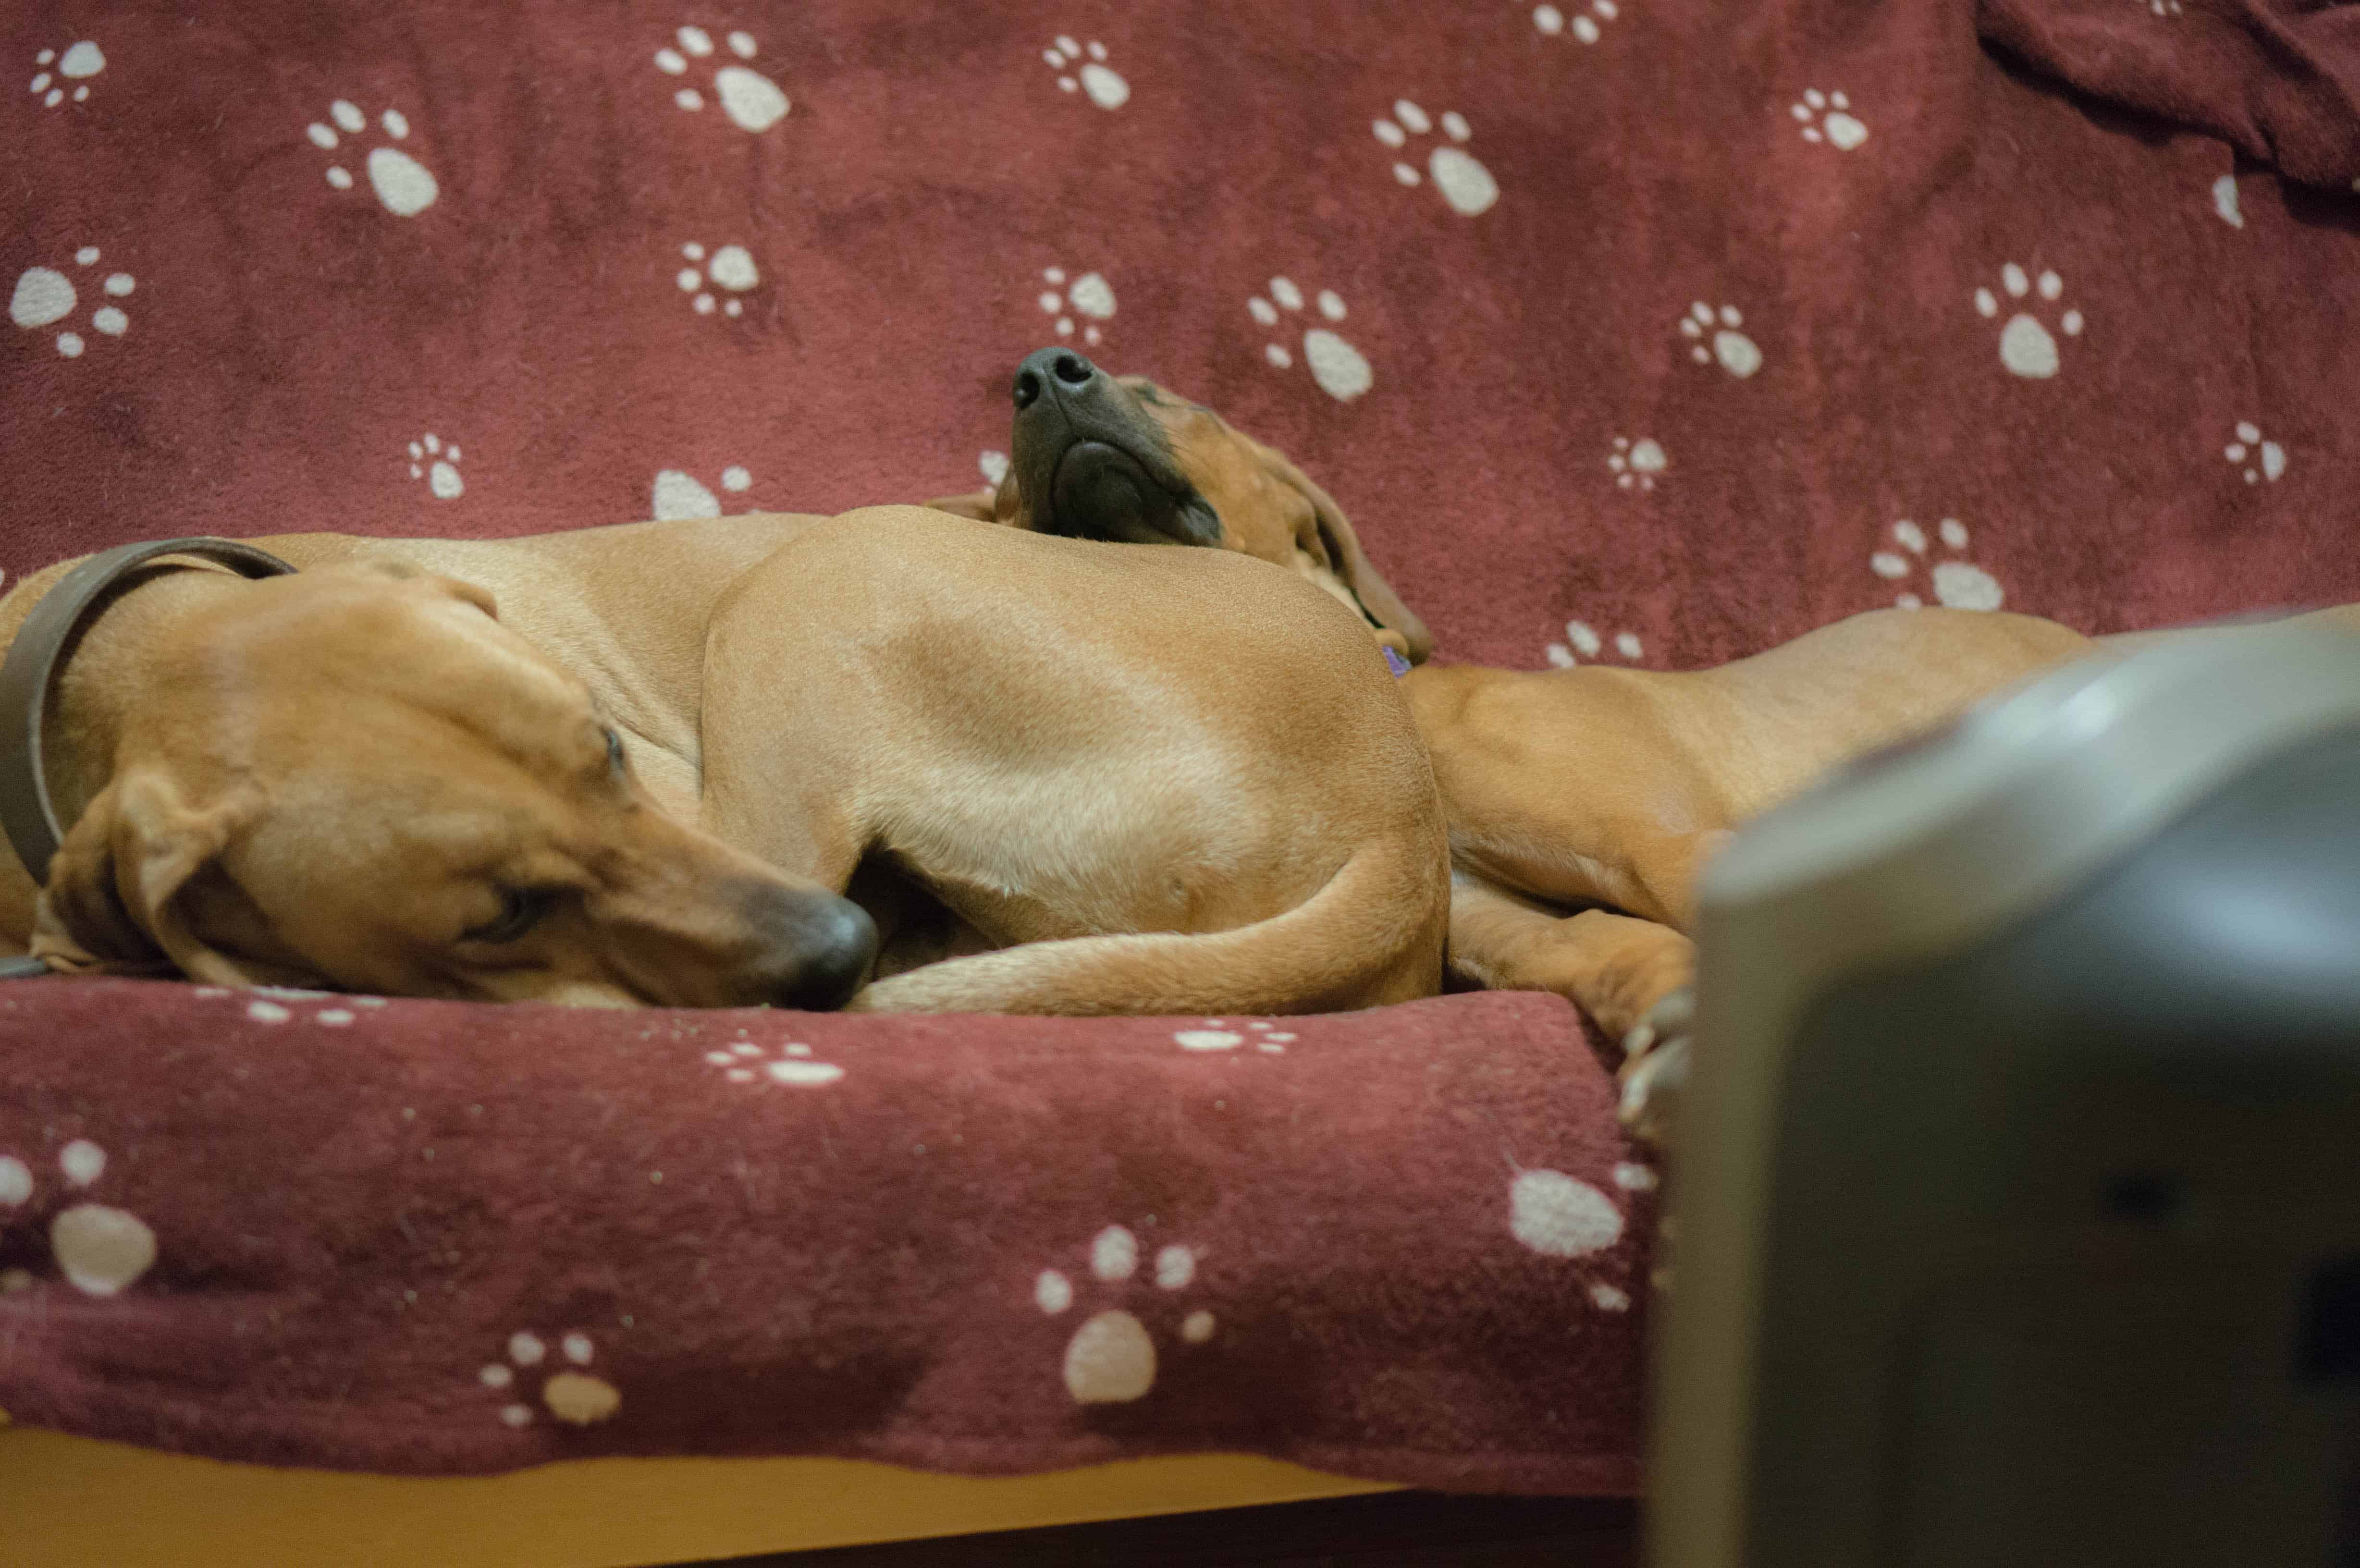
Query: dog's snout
(830, 943)
(1060, 366)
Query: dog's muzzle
(1092, 466)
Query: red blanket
(1627, 331)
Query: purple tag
(1395, 662)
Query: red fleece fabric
(1406, 1243)
(1627, 331)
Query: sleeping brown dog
(358, 777)
(1581, 802)
(648, 764)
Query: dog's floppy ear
(110, 902)
(1377, 598)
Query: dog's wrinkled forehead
(1157, 397)
(1212, 454)
(359, 666)
(1175, 417)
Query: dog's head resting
(1118, 458)
(356, 776)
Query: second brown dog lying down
(643, 763)
(1581, 802)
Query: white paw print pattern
(44, 295)
(1268, 1038)
(743, 1062)
(1959, 584)
(751, 100)
(1582, 641)
(2026, 346)
(575, 1397)
(2225, 201)
(1110, 1358)
(2164, 8)
(730, 268)
(1585, 28)
(676, 495)
(1341, 370)
(1100, 81)
(1090, 297)
(1637, 464)
(268, 1003)
(1735, 351)
(1560, 1216)
(403, 185)
(79, 62)
(438, 464)
(1557, 1216)
(2261, 460)
(1826, 117)
(993, 464)
(1461, 181)
(102, 1250)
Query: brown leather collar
(32, 665)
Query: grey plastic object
(2019, 1187)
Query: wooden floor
(1393, 1529)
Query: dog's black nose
(834, 942)
(1032, 378)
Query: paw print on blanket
(1090, 297)
(1959, 585)
(1100, 81)
(1826, 117)
(1714, 336)
(44, 295)
(81, 61)
(1267, 1037)
(747, 1062)
(1637, 464)
(730, 268)
(438, 464)
(2026, 346)
(100, 1249)
(575, 1397)
(269, 1004)
(403, 185)
(1582, 641)
(1110, 1358)
(1557, 1216)
(2262, 461)
(1462, 182)
(1341, 370)
(676, 495)
(751, 100)
(1586, 29)
(2225, 201)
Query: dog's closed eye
(521, 908)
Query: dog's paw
(1656, 1067)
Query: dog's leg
(1373, 935)
(1615, 967)
(1634, 977)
